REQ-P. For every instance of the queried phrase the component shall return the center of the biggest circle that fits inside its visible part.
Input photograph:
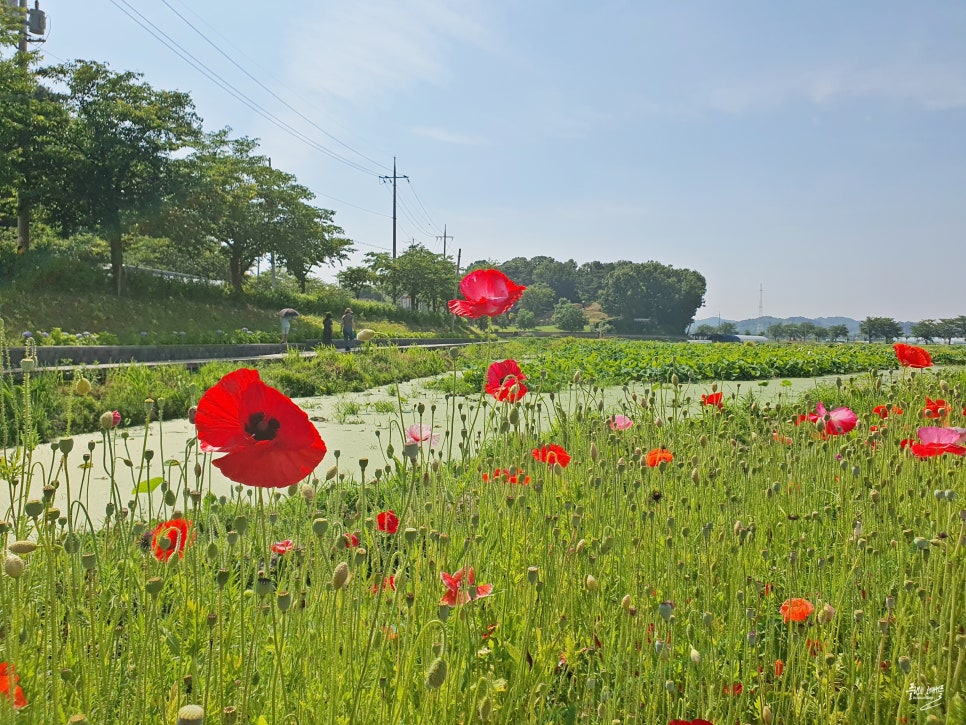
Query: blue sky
(815, 149)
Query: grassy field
(639, 561)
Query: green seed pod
(191, 715)
(320, 526)
(14, 566)
(340, 576)
(436, 674)
(153, 586)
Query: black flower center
(260, 428)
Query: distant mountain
(758, 325)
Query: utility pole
(444, 238)
(394, 177)
(35, 23)
(273, 219)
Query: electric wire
(269, 90)
(419, 201)
(198, 65)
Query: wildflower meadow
(656, 553)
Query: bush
(568, 316)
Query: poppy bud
(77, 719)
(107, 420)
(340, 577)
(22, 547)
(14, 566)
(320, 526)
(665, 609)
(191, 715)
(82, 386)
(591, 583)
(436, 674)
(905, 664)
(695, 656)
(670, 686)
(766, 715)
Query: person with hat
(348, 328)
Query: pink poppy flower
(458, 592)
(420, 433)
(841, 420)
(115, 418)
(936, 441)
(487, 292)
(620, 422)
(282, 547)
(504, 381)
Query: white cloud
(930, 87)
(451, 137)
(363, 52)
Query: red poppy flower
(935, 408)
(174, 534)
(458, 592)
(796, 610)
(911, 356)
(734, 689)
(282, 547)
(552, 454)
(778, 438)
(9, 687)
(504, 381)
(696, 721)
(388, 521)
(713, 399)
(269, 441)
(487, 292)
(654, 457)
(388, 585)
(779, 668)
(815, 647)
(351, 540)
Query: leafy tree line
(89, 150)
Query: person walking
(285, 316)
(348, 327)
(327, 329)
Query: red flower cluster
(504, 475)
(268, 440)
(388, 521)
(487, 292)
(552, 454)
(174, 533)
(504, 381)
(911, 356)
(9, 687)
(883, 411)
(388, 585)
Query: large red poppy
(796, 610)
(935, 408)
(911, 356)
(487, 293)
(173, 534)
(9, 687)
(552, 454)
(504, 381)
(269, 441)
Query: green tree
(777, 331)
(425, 276)
(726, 328)
(355, 279)
(664, 296)
(568, 316)
(704, 329)
(117, 151)
(305, 236)
(880, 327)
(925, 330)
(525, 320)
(838, 331)
(591, 280)
(561, 277)
(538, 299)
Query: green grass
(621, 592)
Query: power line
(433, 224)
(269, 90)
(198, 65)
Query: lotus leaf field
(537, 552)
